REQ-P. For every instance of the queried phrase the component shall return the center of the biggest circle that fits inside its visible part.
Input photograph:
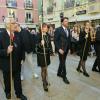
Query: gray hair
(7, 21)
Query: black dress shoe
(45, 86)
(22, 97)
(79, 70)
(66, 80)
(59, 75)
(95, 70)
(8, 96)
(86, 74)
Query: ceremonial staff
(2, 84)
(84, 49)
(11, 43)
(83, 53)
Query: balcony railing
(28, 5)
(11, 4)
(50, 10)
(28, 20)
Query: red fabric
(12, 37)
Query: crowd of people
(18, 44)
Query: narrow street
(80, 88)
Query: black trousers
(17, 83)
(95, 63)
(62, 64)
(98, 54)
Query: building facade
(76, 10)
(25, 12)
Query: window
(69, 3)
(11, 3)
(12, 14)
(10, 0)
(28, 1)
(28, 17)
(28, 4)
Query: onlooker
(51, 33)
(75, 39)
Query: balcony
(28, 20)
(28, 5)
(50, 10)
(68, 4)
(11, 4)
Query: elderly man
(16, 49)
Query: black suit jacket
(16, 54)
(61, 40)
(98, 35)
(27, 40)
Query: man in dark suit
(0, 59)
(62, 43)
(28, 42)
(96, 65)
(16, 49)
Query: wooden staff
(11, 40)
(84, 48)
(2, 84)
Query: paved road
(81, 88)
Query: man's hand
(61, 51)
(10, 49)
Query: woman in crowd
(51, 33)
(43, 53)
(75, 39)
(85, 40)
